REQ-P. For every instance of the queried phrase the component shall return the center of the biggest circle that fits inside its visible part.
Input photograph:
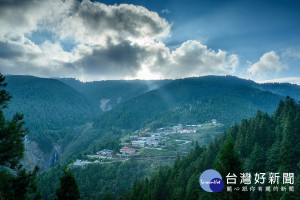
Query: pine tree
(107, 196)
(192, 188)
(279, 110)
(240, 138)
(257, 159)
(68, 189)
(227, 162)
(272, 162)
(227, 159)
(286, 156)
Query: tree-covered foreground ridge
(263, 144)
(15, 182)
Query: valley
(138, 130)
(164, 143)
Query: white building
(81, 164)
(139, 143)
(142, 138)
(176, 128)
(105, 152)
(187, 131)
(152, 143)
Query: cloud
(107, 42)
(293, 80)
(167, 11)
(97, 23)
(111, 62)
(19, 17)
(268, 63)
(193, 59)
(292, 53)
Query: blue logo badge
(211, 181)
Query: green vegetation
(229, 108)
(15, 182)
(60, 115)
(192, 100)
(68, 189)
(261, 144)
(155, 152)
(60, 112)
(281, 89)
(116, 91)
(97, 180)
(50, 107)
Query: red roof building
(127, 150)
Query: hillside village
(165, 142)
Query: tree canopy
(15, 182)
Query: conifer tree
(286, 156)
(272, 156)
(68, 189)
(227, 162)
(257, 159)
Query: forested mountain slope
(284, 89)
(224, 98)
(108, 94)
(229, 108)
(261, 144)
(48, 106)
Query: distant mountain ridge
(108, 94)
(227, 108)
(150, 106)
(131, 98)
(284, 89)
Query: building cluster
(150, 141)
(153, 139)
(186, 131)
(84, 163)
(81, 163)
(193, 125)
(105, 152)
(144, 139)
(127, 151)
(190, 128)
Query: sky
(151, 39)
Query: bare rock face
(34, 156)
(104, 105)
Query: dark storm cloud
(128, 19)
(94, 23)
(115, 61)
(10, 51)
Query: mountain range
(66, 116)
